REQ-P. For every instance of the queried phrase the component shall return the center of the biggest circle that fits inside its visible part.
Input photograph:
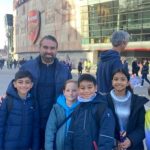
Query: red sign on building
(34, 23)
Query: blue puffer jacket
(109, 62)
(19, 123)
(58, 114)
(87, 130)
(61, 75)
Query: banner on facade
(33, 26)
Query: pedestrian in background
(92, 123)
(110, 61)
(145, 72)
(80, 68)
(125, 64)
(60, 116)
(19, 117)
(129, 112)
(49, 76)
(135, 68)
(86, 65)
(89, 65)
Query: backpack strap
(66, 119)
(63, 122)
(9, 106)
(9, 103)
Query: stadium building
(82, 27)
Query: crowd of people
(12, 63)
(45, 109)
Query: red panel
(34, 23)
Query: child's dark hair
(127, 76)
(23, 74)
(87, 77)
(69, 81)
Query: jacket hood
(99, 98)
(11, 90)
(109, 55)
(61, 100)
(138, 102)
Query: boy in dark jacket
(92, 124)
(19, 121)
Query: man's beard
(47, 60)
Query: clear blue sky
(6, 6)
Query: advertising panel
(33, 25)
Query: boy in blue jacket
(19, 120)
(92, 123)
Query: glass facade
(101, 18)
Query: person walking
(125, 65)
(135, 68)
(80, 68)
(49, 76)
(144, 72)
(129, 112)
(110, 60)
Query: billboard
(33, 25)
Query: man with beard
(110, 61)
(49, 78)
